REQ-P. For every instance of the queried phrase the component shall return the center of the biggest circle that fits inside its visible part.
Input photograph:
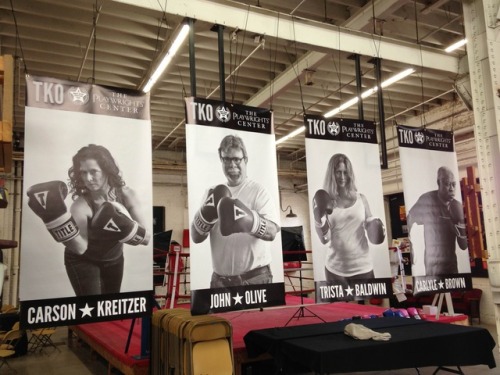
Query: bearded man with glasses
(240, 218)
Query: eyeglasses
(228, 161)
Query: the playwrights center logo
(79, 95)
(223, 114)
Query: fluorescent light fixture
(456, 45)
(291, 135)
(369, 92)
(181, 36)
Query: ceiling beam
(264, 22)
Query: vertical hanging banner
(86, 249)
(346, 204)
(435, 215)
(236, 255)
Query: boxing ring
(109, 339)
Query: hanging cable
(239, 56)
(422, 115)
(18, 37)
(296, 72)
(272, 67)
(94, 25)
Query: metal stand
(301, 311)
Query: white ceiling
(57, 38)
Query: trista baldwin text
(71, 311)
(357, 290)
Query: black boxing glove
(322, 207)
(47, 202)
(375, 230)
(112, 222)
(235, 217)
(457, 219)
(207, 215)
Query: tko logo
(316, 127)
(48, 92)
(409, 137)
(202, 111)
(405, 136)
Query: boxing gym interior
(249, 187)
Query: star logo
(333, 128)
(237, 299)
(80, 95)
(87, 310)
(441, 284)
(419, 137)
(222, 113)
(349, 290)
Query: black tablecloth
(325, 348)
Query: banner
(346, 204)
(235, 247)
(86, 251)
(435, 215)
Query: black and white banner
(435, 216)
(87, 204)
(349, 242)
(235, 244)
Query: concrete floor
(79, 360)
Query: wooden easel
(438, 298)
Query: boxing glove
(375, 230)
(47, 202)
(207, 215)
(457, 219)
(235, 217)
(322, 207)
(413, 312)
(112, 222)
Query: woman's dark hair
(103, 157)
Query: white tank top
(349, 253)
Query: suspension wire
(422, 115)
(94, 25)
(296, 72)
(239, 55)
(272, 67)
(18, 37)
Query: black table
(324, 348)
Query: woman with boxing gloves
(344, 220)
(104, 215)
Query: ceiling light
(370, 92)
(291, 135)
(456, 45)
(181, 36)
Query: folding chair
(14, 327)
(40, 338)
(8, 346)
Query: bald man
(443, 219)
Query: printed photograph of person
(104, 215)
(87, 211)
(233, 208)
(347, 212)
(344, 221)
(442, 217)
(239, 216)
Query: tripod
(301, 311)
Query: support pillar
(483, 48)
